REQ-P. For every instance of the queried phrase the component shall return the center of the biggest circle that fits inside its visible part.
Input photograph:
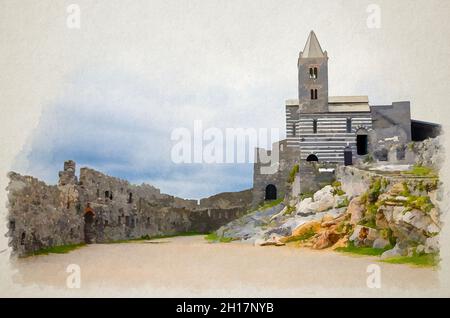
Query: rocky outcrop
(428, 152)
(392, 212)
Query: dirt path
(189, 266)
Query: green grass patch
(213, 237)
(155, 237)
(421, 171)
(343, 204)
(424, 260)
(305, 195)
(293, 172)
(351, 248)
(61, 249)
(270, 204)
(305, 236)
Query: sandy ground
(189, 266)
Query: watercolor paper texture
(224, 148)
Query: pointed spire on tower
(312, 47)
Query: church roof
(312, 47)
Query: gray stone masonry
(42, 216)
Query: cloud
(121, 124)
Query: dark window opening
(315, 94)
(313, 72)
(271, 192)
(130, 197)
(312, 94)
(12, 225)
(22, 239)
(106, 194)
(294, 129)
(312, 158)
(110, 195)
(361, 145)
(349, 125)
(315, 126)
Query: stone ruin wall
(42, 215)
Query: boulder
(380, 243)
(324, 199)
(364, 236)
(342, 242)
(356, 210)
(433, 229)
(418, 219)
(305, 206)
(306, 227)
(394, 252)
(381, 221)
(302, 230)
(432, 245)
(435, 215)
(326, 239)
(397, 214)
(396, 189)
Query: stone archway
(271, 192)
(312, 158)
(89, 232)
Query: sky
(109, 94)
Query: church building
(324, 131)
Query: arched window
(271, 192)
(312, 158)
(315, 72)
(311, 72)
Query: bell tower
(313, 77)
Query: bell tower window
(313, 72)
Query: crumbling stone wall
(42, 215)
(288, 157)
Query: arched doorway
(362, 142)
(89, 233)
(312, 158)
(271, 192)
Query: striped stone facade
(325, 134)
